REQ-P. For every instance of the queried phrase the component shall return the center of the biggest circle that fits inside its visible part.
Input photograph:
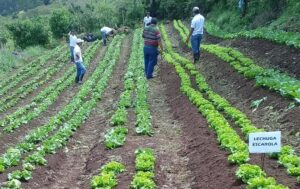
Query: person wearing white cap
(79, 62)
(196, 33)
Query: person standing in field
(196, 33)
(147, 19)
(72, 40)
(79, 62)
(152, 39)
(106, 31)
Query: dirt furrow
(11, 139)
(66, 168)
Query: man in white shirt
(196, 32)
(72, 39)
(147, 19)
(105, 31)
(79, 62)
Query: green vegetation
(226, 135)
(107, 177)
(144, 165)
(273, 79)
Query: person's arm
(189, 36)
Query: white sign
(265, 142)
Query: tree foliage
(29, 32)
(60, 22)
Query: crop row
(107, 176)
(134, 82)
(227, 137)
(30, 70)
(13, 155)
(144, 165)
(270, 78)
(286, 157)
(96, 84)
(45, 98)
(278, 36)
(116, 136)
(39, 79)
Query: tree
(29, 32)
(60, 22)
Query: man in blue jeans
(79, 62)
(152, 40)
(196, 32)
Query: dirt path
(66, 168)
(8, 140)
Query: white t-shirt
(147, 20)
(105, 29)
(73, 40)
(77, 52)
(197, 24)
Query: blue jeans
(72, 53)
(195, 41)
(104, 36)
(80, 71)
(150, 59)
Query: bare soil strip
(270, 115)
(66, 168)
(265, 53)
(8, 140)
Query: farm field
(185, 128)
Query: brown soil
(273, 114)
(8, 140)
(207, 161)
(265, 53)
(66, 168)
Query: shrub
(29, 32)
(60, 22)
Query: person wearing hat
(106, 31)
(196, 33)
(152, 40)
(79, 62)
(72, 41)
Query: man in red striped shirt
(152, 40)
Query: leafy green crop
(107, 176)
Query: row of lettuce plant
(31, 140)
(45, 98)
(32, 69)
(291, 39)
(107, 177)
(116, 137)
(144, 165)
(270, 78)
(286, 157)
(38, 80)
(142, 109)
(96, 84)
(226, 135)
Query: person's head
(196, 10)
(154, 21)
(148, 14)
(79, 42)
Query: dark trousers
(150, 59)
(104, 36)
(80, 71)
